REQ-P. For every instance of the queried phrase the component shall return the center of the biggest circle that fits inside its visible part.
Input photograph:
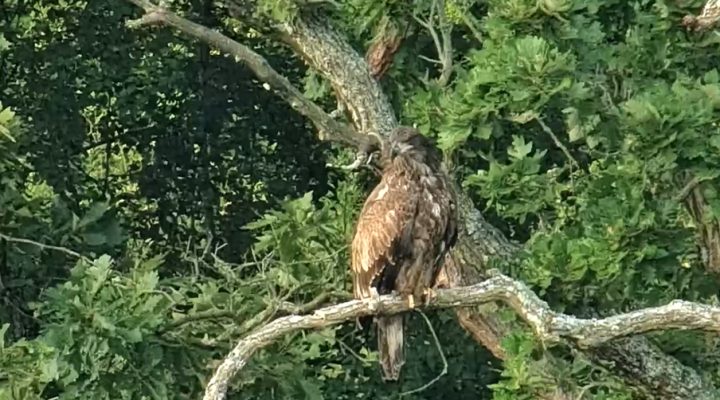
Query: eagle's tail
(390, 346)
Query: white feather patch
(436, 210)
(382, 192)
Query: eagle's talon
(411, 301)
(373, 300)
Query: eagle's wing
(385, 219)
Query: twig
(469, 21)
(557, 141)
(213, 314)
(689, 186)
(430, 60)
(588, 387)
(549, 326)
(43, 246)
(299, 309)
(442, 356)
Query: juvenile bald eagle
(405, 229)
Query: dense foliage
(157, 203)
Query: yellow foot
(411, 301)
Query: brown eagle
(405, 229)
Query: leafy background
(201, 206)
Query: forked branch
(330, 129)
(443, 41)
(549, 326)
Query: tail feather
(390, 346)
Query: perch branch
(549, 326)
(329, 128)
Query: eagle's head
(408, 142)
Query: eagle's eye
(399, 148)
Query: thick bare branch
(549, 326)
(329, 128)
(331, 55)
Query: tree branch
(652, 372)
(549, 326)
(329, 128)
(43, 246)
(328, 52)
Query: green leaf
(3, 330)
(96, 211)
(449, 140)
(94, 238)
(4, 43)
(132, 335)
(525, 117)
(715, 141)
(103, 322)
(519, 149)
(711, 76)
(311, 390)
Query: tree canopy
(173, 179)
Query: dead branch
(706, 225)
(329, 128)
(557, 141)
(443, 42)
(43, 246)
(549, 326)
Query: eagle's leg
(411, 301)
(374, 299)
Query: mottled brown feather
(387, 212)
(405, 229)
